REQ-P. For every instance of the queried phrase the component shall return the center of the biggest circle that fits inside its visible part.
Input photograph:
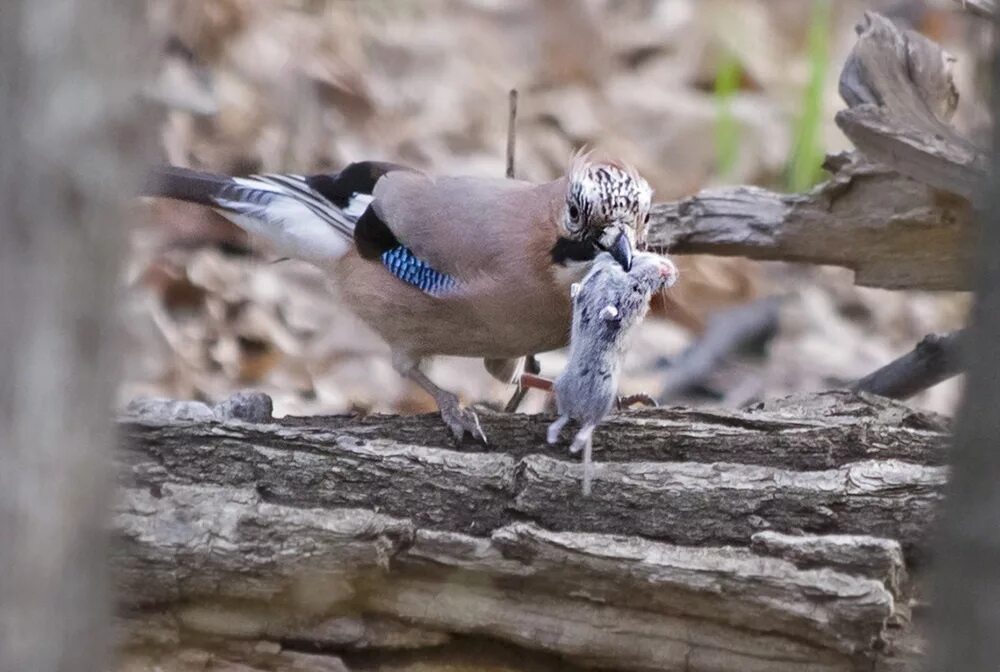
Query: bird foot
(461, 420)
(633, 399)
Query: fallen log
(892, 231)
(715, 540)
(900, 95)
(898, 213)
(986, 9)
(935, 358)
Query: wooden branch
(902, 224)
(339, 534)
(898, 86)
(511, 132)
(726, 332)
(984, 8)
(934, 360)
(877, 558)
(893, 231)
(530, 362)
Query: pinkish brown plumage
(464, 266)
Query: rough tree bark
(714, 540)
(793, 536)
(899, 217)
(898, 86)
(65, 113)
(934, 359)
(893, 231)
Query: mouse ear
(609, 312)
(574, 289)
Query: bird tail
(290, 212)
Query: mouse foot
(552, 436)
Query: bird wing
(307, 217)
(437, 234)
(465, 226)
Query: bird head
(607, 208)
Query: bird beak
(621, 250)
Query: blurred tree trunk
(967, 598)
(67, 101)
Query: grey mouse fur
(607, 304)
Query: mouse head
(650, 272)
(653, 272)
(623, 298)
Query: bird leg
(532, 381)
(459, 420)
(532, 367)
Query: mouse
(607, 305)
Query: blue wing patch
(402, 263)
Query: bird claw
(461, 420)
(633, 399)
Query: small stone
(169, 409)
(247, 406)
(266, 647)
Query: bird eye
(574, 212)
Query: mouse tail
(585, 441)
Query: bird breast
(526, 311)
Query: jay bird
(463, 266)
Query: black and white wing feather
(316, 218)
(291, 212)
(292, 216)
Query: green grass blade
(805, 165)
(727, 131)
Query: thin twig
(511, 132)
(530, 363)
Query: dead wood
(786, 537)
(726, 332)
(984, 8)
(935, 358)
(878, 558)
(900, 218)
(893, 231)
(511, 133)
(899, 89)
(347, 535)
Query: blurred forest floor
(694, 93)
